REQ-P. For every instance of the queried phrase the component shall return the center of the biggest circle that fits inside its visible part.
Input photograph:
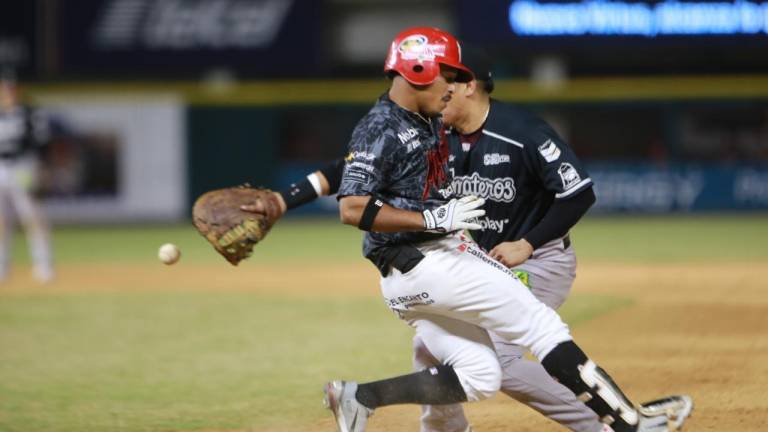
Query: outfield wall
(651, 144)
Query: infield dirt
(700, 329)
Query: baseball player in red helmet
(438, 282)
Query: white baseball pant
(551, 272)
(16, 180)
(455, 295)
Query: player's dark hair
(480, 63)
(486, 85)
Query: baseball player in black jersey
(399, 256)
(23, 131)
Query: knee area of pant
(421, 353)
(480, 383)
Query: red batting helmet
(417, 53)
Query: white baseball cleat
(351, 415)
(677, 409)
(656, 423)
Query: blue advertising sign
(621, 36)
(505, 19)
(642, 187)
(617, 18)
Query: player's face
(455, 108)
(7, 96)
(435, 97)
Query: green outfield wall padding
(229, 146)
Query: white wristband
(314, 180)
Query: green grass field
(167, 360)
(628, 239)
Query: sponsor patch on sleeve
(568, 175)
(358, 175)
(549, 151)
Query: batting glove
(457, 214)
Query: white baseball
(169, 253)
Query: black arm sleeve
(560, 218)
(302, 192)
(333, 172)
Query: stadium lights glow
(530, 18)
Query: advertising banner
(187, 37)
(638, 187)
(114, 159)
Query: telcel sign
(665, 18)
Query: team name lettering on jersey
(549, 151)
(495, 159)
(500, 189)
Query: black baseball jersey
(22, 130)
(519, 165)
(396, 155)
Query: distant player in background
(23, 132)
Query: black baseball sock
(434, 386)
(568, 363)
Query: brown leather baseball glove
(232, 231)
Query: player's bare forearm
(388, 219)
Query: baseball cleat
(676, 408)
(351, 415)
(657, 423)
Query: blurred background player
(23, 132)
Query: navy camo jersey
(520, 165)
(394, 154)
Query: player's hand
(259, 207)
(457, 214)
(512, 253)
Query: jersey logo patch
(524, 277)
(357, 175)
(549, 151)
(495, 159)
(568, 175)
(406, 135)
(495, 225)
(359, 155)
